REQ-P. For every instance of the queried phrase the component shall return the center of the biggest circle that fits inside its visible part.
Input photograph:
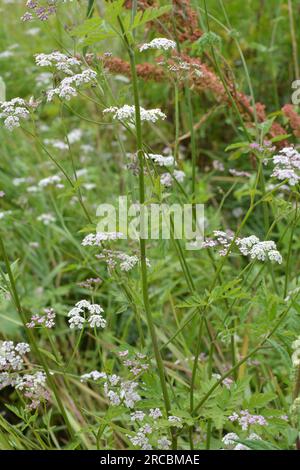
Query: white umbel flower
(127, 113)
(11, 355)
(155, 413)
(167, 180)
(248, 246)
(54, 180)
(96, 239)
(85, 313)
(287, 166)
(68, 86)
(137, 416)
(159, 43)
(57, 60)
(161, 160)
(97, 321)
(12, 111)
(46, 219)
(94, 375)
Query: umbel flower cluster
(149, 425)
(33, 387)
(114, 258)
(12, 111)
(127, 113)
(77, 315)
(287, 165)
(47, 320)
(12, 356)
(58, 61)
(159, 43)
(39, 10)
(68, 86)
(167, 179)
(69, 66)
(246, 419)
(117, 390)
(161, 160)
(136, 363)
(13, 374)
(249, 246)
(97, 239)
(149, 433)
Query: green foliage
(116, 21)
(224, 325)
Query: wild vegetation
(114, 342)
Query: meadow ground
(115, 340)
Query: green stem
(90, 8)
(176, 98)
(149, 317)
(294, 40)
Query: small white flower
(4, 214)
(127, 112)
(75, 136)
(76, 322)
(12, 111)
(137, 416)
(22, 348)
(230, 439)
(237, 212)
(94, 375)
(99, 237)
(248, 246)
(254, 437)
(175, 420)
(167, 180)
(77, 318)
(59, 61)
(159, 43)
(113, 398)
(274, 255)
(155, 413)
(97, 321)
(114, 379)
(147, 429)
(287, 166)
(123, 353)
(46, 219)
(161, 160)
(68, 86)
(82, 304)
(54, 180)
